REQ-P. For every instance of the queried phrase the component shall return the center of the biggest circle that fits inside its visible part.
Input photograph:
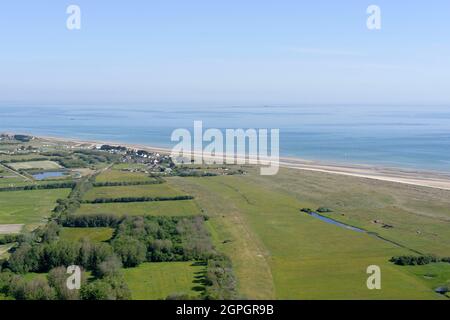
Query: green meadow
(112, 175)
(433, 274)
(44, 165)
(93, 234)
(154, 281)
(156, 208)
(29, 207)
(279, 252)
(151, 190)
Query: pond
(336, 223)
(50, 174)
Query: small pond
(336, 223)
(49, 174)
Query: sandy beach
(439, 180)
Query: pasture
(112, 175)
(93, 234)
(29, 207)
(39, 165)
(281, 253)
(156, 208)
(154, 281)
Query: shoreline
(422, 178)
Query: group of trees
(417, 260)
(69, 205)
(54, 287)
(157, 239)
(220, 279)
(42, 257)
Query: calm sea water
(400, 136)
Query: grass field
(154, 281)
(157, 208)
(151, 190)
(122, 176)
(21, 157)
(93, 234)
(280, 253)
(10, 178)
(28, 207)
(434, 274)
(44, 165)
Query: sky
(225, 52)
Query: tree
(110, 267)
(131, 251)
(57, 278)
(97, 290)
(24, 259)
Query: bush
(110, 267)
(324, 210)
(220, 280)
(111, 288)
(57, 279)
(131, 251)
(414, 260)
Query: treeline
(127, 183)
(137, 199)
(91, 221)
(69, 205)
(59, 185)
(417, 260)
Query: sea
(408, 137)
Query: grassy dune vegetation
(28, 207)
(158, 208)
(281, 253)
(152, 281)
(93, 234)
(156, 190)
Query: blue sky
(233, 52)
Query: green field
(433, 274)
(154, 281)
(151, 190)
(129, 166)
(20, 157)
(281, 253)
(156, 208)
(44, 165)
(28, 207)
(93, 234)
(122, 176)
